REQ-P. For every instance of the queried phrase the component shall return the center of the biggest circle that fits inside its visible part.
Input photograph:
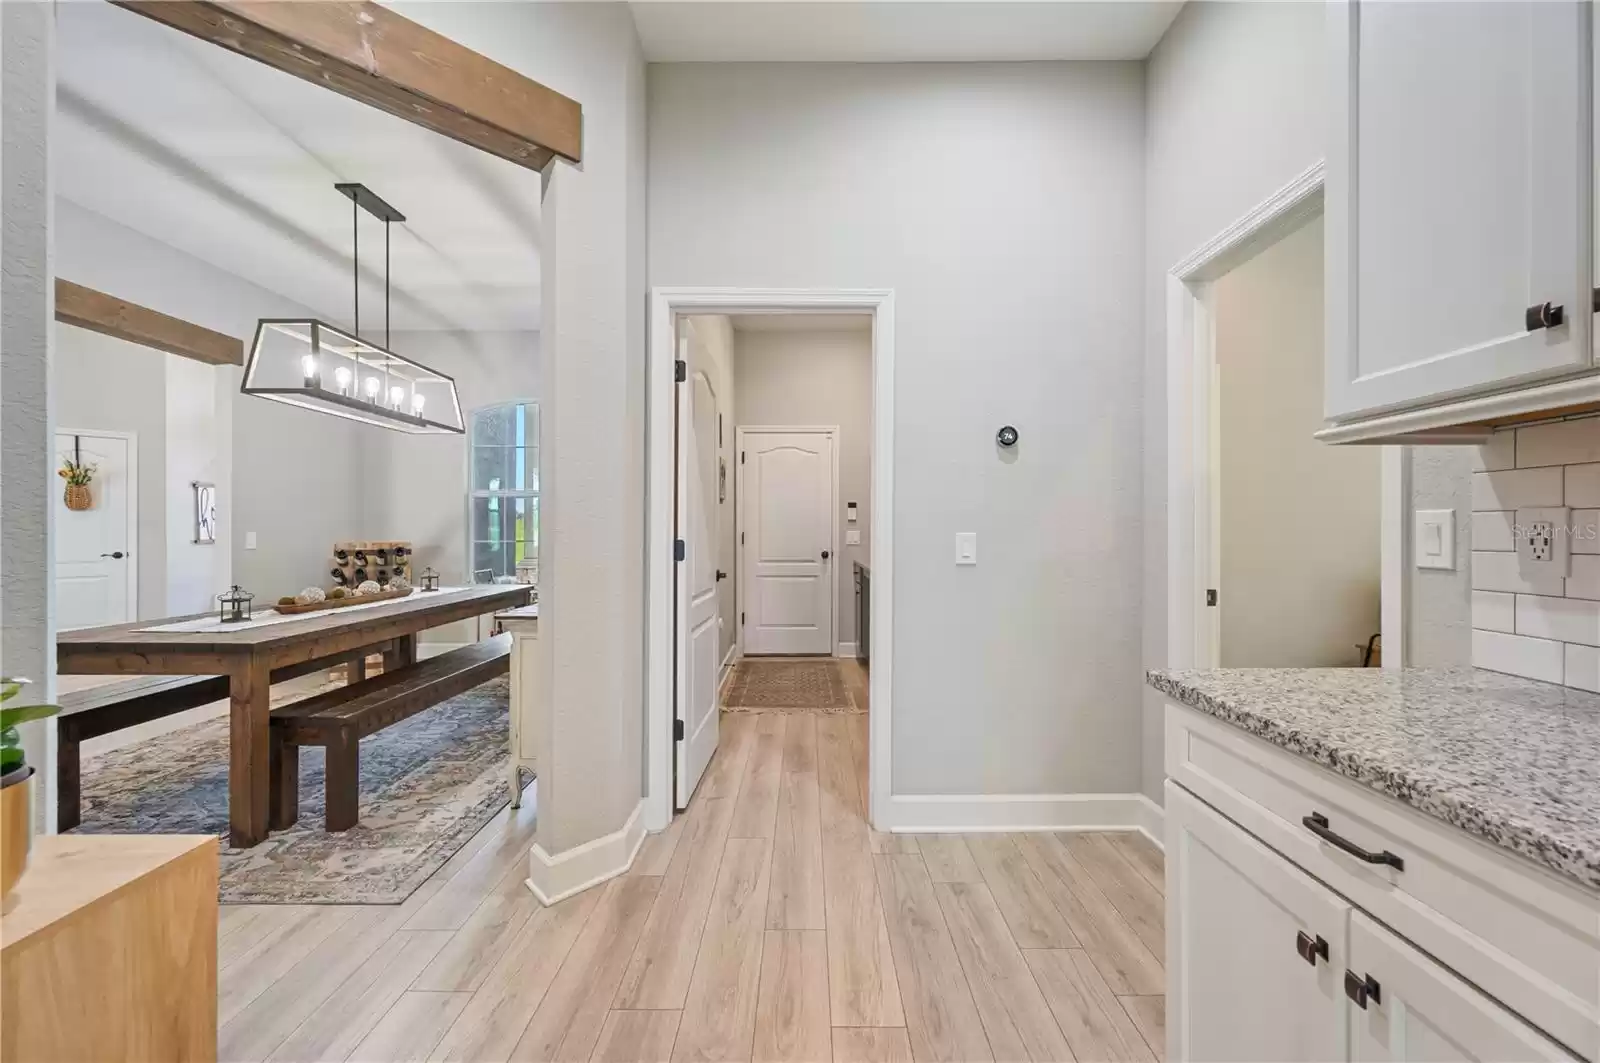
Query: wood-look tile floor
(768, 923)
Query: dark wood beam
(110, 316)
(367, 52)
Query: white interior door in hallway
(698, 629)
(788, 491)
(96, 579)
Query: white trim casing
(665, 305)
(834, 604)
(1012, 813)
(135, 547)
(555, 878)
(847, 651)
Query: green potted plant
(16, 820)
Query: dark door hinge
(678, 550)
(1597, 300)
(1211, 597)
(681, 370)
(677, 730)
(741, 453)
(741, 619)
(741, 538)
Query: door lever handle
(721, 575)
(118, 555)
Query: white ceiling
(802, 322)
(894, 31)
(234, 163)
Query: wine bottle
(383, 557)
(341, 556)
(339, 577)
(361, 557)
(361, 574)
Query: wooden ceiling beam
(110, 316)
(367, 52)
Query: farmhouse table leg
(341, 782)
(249, 770)
(69, 791)
(285, 772)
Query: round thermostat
(1006, 437)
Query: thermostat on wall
(850, 512)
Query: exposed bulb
(416, 404)
(341, 376)
(372, 389)
(397, 395)
(308, 367)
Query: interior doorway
(96, 528)
(759, 524)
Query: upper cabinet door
(1458, 186)
(1409, 1009)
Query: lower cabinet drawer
(1526, 937)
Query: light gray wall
(592, 570)
(1439, 621)
(1234, 110)
(818, 378)
(1300, 519)
(103, 383)
(1003, 204)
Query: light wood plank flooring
(769, 924)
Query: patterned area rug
(790, 684)
(428, 785)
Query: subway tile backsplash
(1541, 627)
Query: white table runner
(267, 617)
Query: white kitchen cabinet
(1407, 1008)
(1255, 948)
(1459, 177)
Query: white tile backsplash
(1541, 627)
(1521, 488)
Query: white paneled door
(698, 627)
(95, 573)
(788, 486)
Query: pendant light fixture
(312, 364)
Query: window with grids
(504, 500)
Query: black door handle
(1317, 824)
(118, 555)
(1310, 948)
(721, 575)
(1545, 315)
(1362, 988)
(826, 554)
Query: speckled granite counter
(1512, 761)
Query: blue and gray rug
(428, 785)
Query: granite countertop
(1512, 761)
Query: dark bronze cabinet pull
(1545, 315)
(1317, 824)
(1362, 988)
(1310, 948)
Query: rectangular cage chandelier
(317, 366)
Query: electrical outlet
(1544, 541)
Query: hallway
(751, 929)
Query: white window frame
(475, 493)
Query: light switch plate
(1544, 541)
(852, 536)
(249, 540)
(966, 548)
(1434, 532)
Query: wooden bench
(339, 719)
(100, 710)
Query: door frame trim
(832, 432)
(132, 439)
(666, 303)
(1193, 494)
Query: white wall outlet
(966, 548)
(1544, 540)
(1435, 538)
(852, 536)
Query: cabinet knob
(1545, 315)
(1362, 988)
(1311, 948)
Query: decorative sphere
(310, 596)
(370, 586)
(399, 583)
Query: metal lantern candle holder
(430, 579)
(234, 607)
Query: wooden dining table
(250, 653)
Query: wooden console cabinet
(108, 951)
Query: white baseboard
(847, 651)
(953, 813)
(1153, 825)
(555, 878)
(729, 657)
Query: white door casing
(1457, 198)
(699, 659)
(788, 526)
(94, 586)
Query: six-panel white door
(95, 574)
(787, 505)
(699, 632)
(1255, 947)
(1457, 198)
